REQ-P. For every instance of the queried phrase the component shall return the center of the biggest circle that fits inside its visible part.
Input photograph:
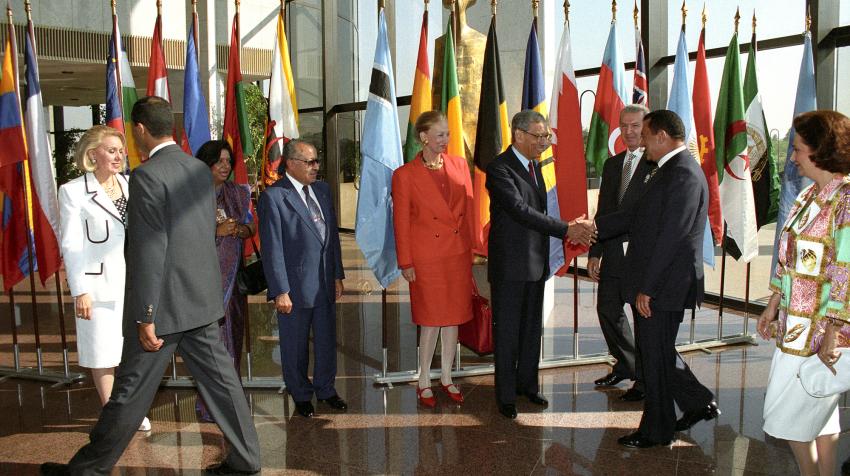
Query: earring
(425, 142)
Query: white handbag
(819, 382)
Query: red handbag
(477, 333)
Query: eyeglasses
(309, 163)
(545, 136)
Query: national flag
(380, 155)
(196, 122)
(13, 152)
(705, 140)
(157, 72)
(680, 103)
(282, 123)
(493, 136)
(450, 98)
(236, 130)
(420, 99)
(641, 83)
(760, 147)
(44, 204)
(567, 144)
(121, 93)
(733, 163)
(792, 182)
(534, 97)
(604, 139)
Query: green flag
(762, 154)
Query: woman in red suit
(432, 201)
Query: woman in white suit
(93, 215)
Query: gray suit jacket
(173, 276)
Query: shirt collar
(161, 146)
(525, 161)
(669, 155)
(295, 183)
(637, 153)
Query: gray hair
(290, 149)
(523, 119)
(633, 108)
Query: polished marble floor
(385, 432)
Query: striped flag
(680, 103)
(641, 83)
(282, 123)
(493, 136)
(14, 264)
(733, 163)
(157, 72)
(380, 149)
(236, 131)
(534, 98)
(705, 140)
(196, 122)
(450, 98)
(604, 139)
(44, 203)
(567, 144)
(760, 147)
(792, 182)
(420, 100)
(121, 93)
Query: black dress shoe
(608, 380)
(335, 402)
(536, 398)
(845, 468)
(508, 410)
(304, 409)
(636, 440)
(224, 468)
(632, 395)
(54, 469)
(692, 417)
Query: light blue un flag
(680, 103)
(792, 182)
(380, 155)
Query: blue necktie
(315, 213)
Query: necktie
(315, 213)
(531, 172)
(627, 175)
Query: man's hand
(283, 304)
(581, 231)
(147, 337)
(409, 274)
(82, 306)
(642, 305)
(593, 265)
(339, 289)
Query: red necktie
(531, 172)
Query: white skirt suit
(93, 250)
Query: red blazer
(426, 227)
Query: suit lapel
(293, 196)
(426, 185)
(514, 163)
(99, 197)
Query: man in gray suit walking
(173, 303)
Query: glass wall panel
(590, 24)
(775, 19)
(305, 20)
(842, 79)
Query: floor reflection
(385, 432)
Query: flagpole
(748, 270)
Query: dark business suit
(174, 282)
(518, 266)
(664, 261)
(297, 261)
(609, 303)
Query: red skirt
(442, 293)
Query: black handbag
(250, 278)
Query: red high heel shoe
(429, 402)
(457, 397)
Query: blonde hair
(90, 140)
(426, 120)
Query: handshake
(581, 231)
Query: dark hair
(426, 120)
(210, 152)
(827, 133)
(667, 121)
(290, 151)
(155, 114)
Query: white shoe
(146, 425)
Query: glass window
(842, 79)
(305, 36)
